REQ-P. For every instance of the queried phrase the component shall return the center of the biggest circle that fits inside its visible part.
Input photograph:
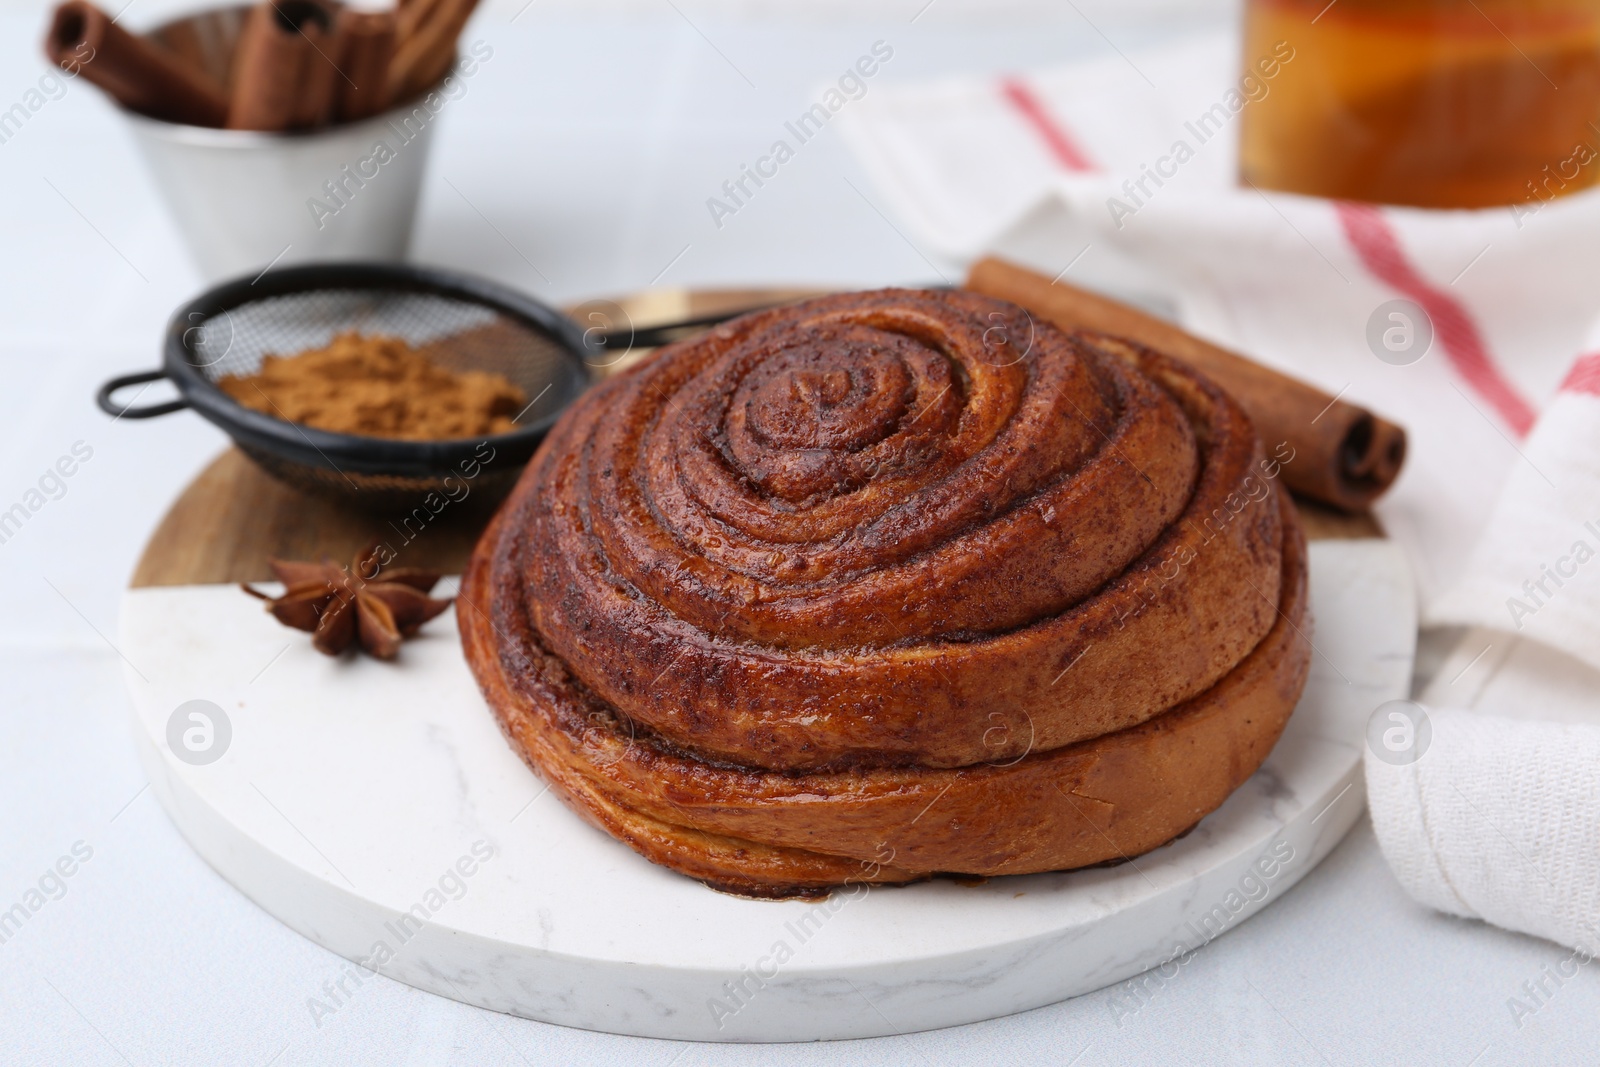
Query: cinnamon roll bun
(893, 584)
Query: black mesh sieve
(459, 322)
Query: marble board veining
(376, 809)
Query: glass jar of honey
(1432, 103)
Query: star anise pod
(362, 602)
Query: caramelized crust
(893, 584)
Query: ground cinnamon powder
(378, 386)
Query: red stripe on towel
(1379, 248)
(1584, 377)
(1050, 130)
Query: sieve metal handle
(122, 381)
(668, 332)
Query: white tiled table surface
(590, 144)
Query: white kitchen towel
(1491, 809)
(1121, 175)
(1536, 570)
(1479, 827)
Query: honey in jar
(1433, 103)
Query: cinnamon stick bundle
(1345, 455)
(284, 66)
(139, 74)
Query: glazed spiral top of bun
(823, 550)
(836, 533)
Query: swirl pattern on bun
(891, 584)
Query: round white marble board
(353, 792)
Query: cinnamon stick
(369, 40)
(411, 14)
(284, 72)
(1345, 456)
(427, 44)
(319, 88)
(138, 73)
